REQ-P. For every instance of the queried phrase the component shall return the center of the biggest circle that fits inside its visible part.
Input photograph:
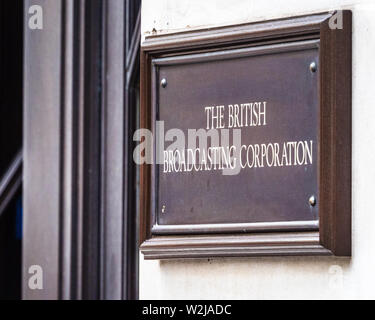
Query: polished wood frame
(333, 236)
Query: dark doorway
(83, 193)
(11, 62)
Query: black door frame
(79, 220)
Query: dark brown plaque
(273, 192)
(276, 83)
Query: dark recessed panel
(270, 94)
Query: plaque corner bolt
(313, 66)
(312, 201)
(163, 83)
(163, 209)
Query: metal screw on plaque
(163, 209)
(312, 201)
(313, 67)
(163, 82)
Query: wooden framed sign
(251, 140)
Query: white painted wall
(281, 277)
